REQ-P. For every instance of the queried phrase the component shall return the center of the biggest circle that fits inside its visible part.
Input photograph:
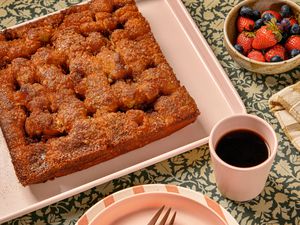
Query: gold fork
(164, 219)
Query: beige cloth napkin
(286, 107)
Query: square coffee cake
(84, 85)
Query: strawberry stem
(271, 25)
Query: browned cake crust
(83, 86)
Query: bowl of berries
(263, 36)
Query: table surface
(279, 203)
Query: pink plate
(138, 204)
(138, 209)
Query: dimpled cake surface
(83, 86)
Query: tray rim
(223, 82)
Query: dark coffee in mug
(242, 148)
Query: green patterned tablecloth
(279, 203)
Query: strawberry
(244, 23)
(292, 20)
(267, 36)
(293, 42)
(245, 40)
(256, 55)
(274, 13)
(278, 50)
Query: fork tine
(172, 219)
(164, 219)
(155, 217)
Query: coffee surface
(242, 148)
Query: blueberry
(267, 17)
(256, 14)
(276, 58)
(285, 11)
(239, 48)
(285, 24)
(285, 36)
(246, 12)
(294, 52)
(280, 27)
(258, 23)
(295, 29)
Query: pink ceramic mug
(237, 183)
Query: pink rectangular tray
(195, 66)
